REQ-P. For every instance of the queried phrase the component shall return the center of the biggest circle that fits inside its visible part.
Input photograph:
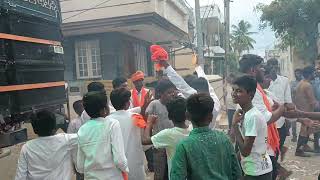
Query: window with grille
(88, 59)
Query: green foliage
(240, 37)
(232, 63)
(295, 23)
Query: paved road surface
(303, 168)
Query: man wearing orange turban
(139, 92)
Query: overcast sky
(244, 9)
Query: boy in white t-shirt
(50, 155)
(250, 129)
(169, 138)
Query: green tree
(240, 37)
(295, 23)
(233, 63)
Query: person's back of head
(119, 82)
(43, 123)
(120, 98)
(199, 109)
(78, 107)
(308, 72)
(189, 78)
(272, 61)
(96, 86)
(298, 74)
(249, 61)
(177, 109)
(96, 104)
(201, 85)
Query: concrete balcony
(156, 21)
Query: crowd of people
(173, 128)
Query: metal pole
(199, 34)
(227, 49)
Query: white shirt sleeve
(179, 82)
(22, 169)
(73, 146)
(259, 104)
(117, 147)
(213, 94)
(135, 110)
(84, 117)
(72, 127)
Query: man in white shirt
(131, 127)
(252, 138)
(252, 65)
(101, 153)
(280, 88)
(95, 87)
(49, 156)
(187, 91)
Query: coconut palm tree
(240, 37)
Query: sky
(244, 10)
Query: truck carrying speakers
(31, 64)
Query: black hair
(246, 82)
(249, 61)
(195, 73)
(308, 71)
(177, 109)
(78, 107)
(43, 123)
(117, 82)
(163, 85)
(94, 102)
(298, 70)
(96, 86)
(267, 70)
(119, 98)
(201, 85)
(272, 61)
(189, 78)
(199, 106)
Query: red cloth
(135, 98)
(273, 134)
(137, 76)
(125, 176)
(139, 121)
(158, 53)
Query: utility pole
(199, 34)
(227, 49)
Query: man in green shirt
(206, 154)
